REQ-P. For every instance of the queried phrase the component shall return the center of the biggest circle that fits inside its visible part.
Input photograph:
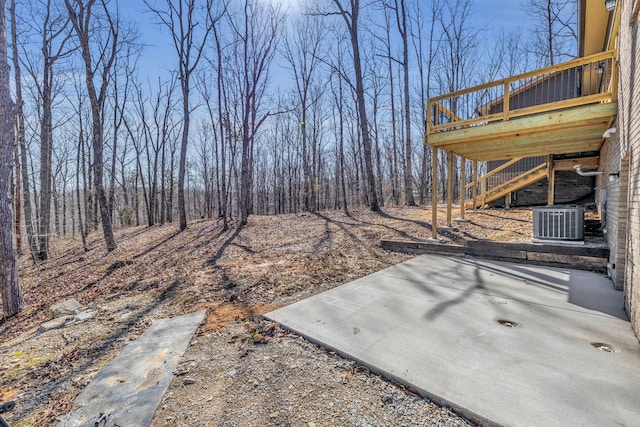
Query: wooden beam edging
(591, 251)
(507, 253)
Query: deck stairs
(502, 188)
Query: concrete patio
(501, 343)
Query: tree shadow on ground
(516, 272)
(361, 223)
(447, 233)
(157, 245)
(462, 296)
(348, 233)
(501, 217)
(213, 261)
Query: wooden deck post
(505, 102)
(551, 180)
(613, 87)
(449, 186)
(434, 194)
(463, 183)
(475, 185)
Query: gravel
(286, 381)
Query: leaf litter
(246, 371)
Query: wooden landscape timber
(578, 257)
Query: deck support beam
(434, 194)
(475, 185)
(551, 180)
(449, 186)
(463, 185)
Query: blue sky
(503, 13)
(159, 56)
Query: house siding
(557, 87)
(628, 139)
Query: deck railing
(582, 81)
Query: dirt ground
(226, 378)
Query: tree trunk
(82, 228)
(550, 32)
(163, 183)
(45, 164)
(105, 216)
(20, 139)
(182, 211)
(17, 199)
(222, 126)
(12, 301)
(393, 157)
(342, 166)
(84, 26)
(362, 111)
(401, 15)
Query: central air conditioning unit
(558, 223)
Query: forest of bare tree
(262, 109)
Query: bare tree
(457, 53)
(257, 35)
(425, 63)
(350, 13)
(180, 19)
(337, 92)
(302, 50)
(20, 137)
(76, 100)
(125, 64)
(516, 57)
(457, 59)
(393, 151)
(54, 34)
(218, 146)
(12, 301)
(553, 29)
(220, 86)
(93, 39)
(401, 20)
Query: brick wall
(629, 144)
(608, 198)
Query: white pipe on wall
(580, 172)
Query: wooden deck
(560, 109)
(588, 257)
(578, 129)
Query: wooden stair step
(530, 177)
